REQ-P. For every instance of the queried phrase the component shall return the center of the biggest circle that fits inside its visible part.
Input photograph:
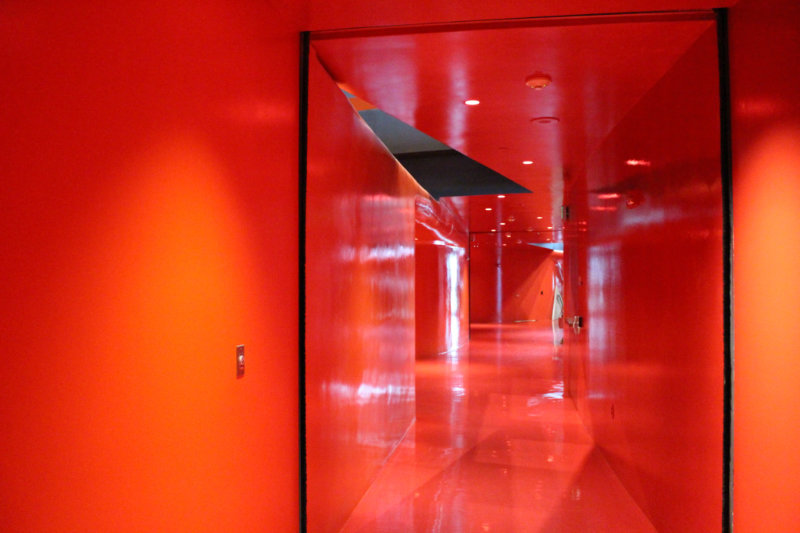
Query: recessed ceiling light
(538, 80)
(472, 102)
(488, 209)
(501, 195)
(638, 163)
(508, 235)
(549, 227)
(527, 162)
(502, 223)
(539, 218)
(494, 230)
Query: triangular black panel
(451, 173)
(441, 170)
(398, 136)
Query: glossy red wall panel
(509, 282)
(442, 317)
(149, 225)
(359, 304)
(765, 45)
(441, 278)
(644, 260)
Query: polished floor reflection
(496, 447)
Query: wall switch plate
(240, 361)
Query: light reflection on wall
(455, 286)
(603, 274)
(441, 279)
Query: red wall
(509, 282)
(325, 14)
(149, 225)
(360, 304)
(644, 267)
(765, 46)
(148, 217)
(441, 278)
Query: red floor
(496, 447)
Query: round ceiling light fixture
(538, 80)
(545, 120)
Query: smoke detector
(538, 80)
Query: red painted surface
(497, 448)
(441, 278)
(148, 225)
(510, 281)
(142, 241)
(520, 214)
(358, 14)
(599, 70)
(644, 263)
(765, 42)
(359, 304)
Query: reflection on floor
(496, 447)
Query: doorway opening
(618, 152)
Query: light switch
(240, 361)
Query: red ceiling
(600, 68)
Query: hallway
(497, 447)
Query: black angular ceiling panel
(441, 170)
(451, 173)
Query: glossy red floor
(496, 447)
